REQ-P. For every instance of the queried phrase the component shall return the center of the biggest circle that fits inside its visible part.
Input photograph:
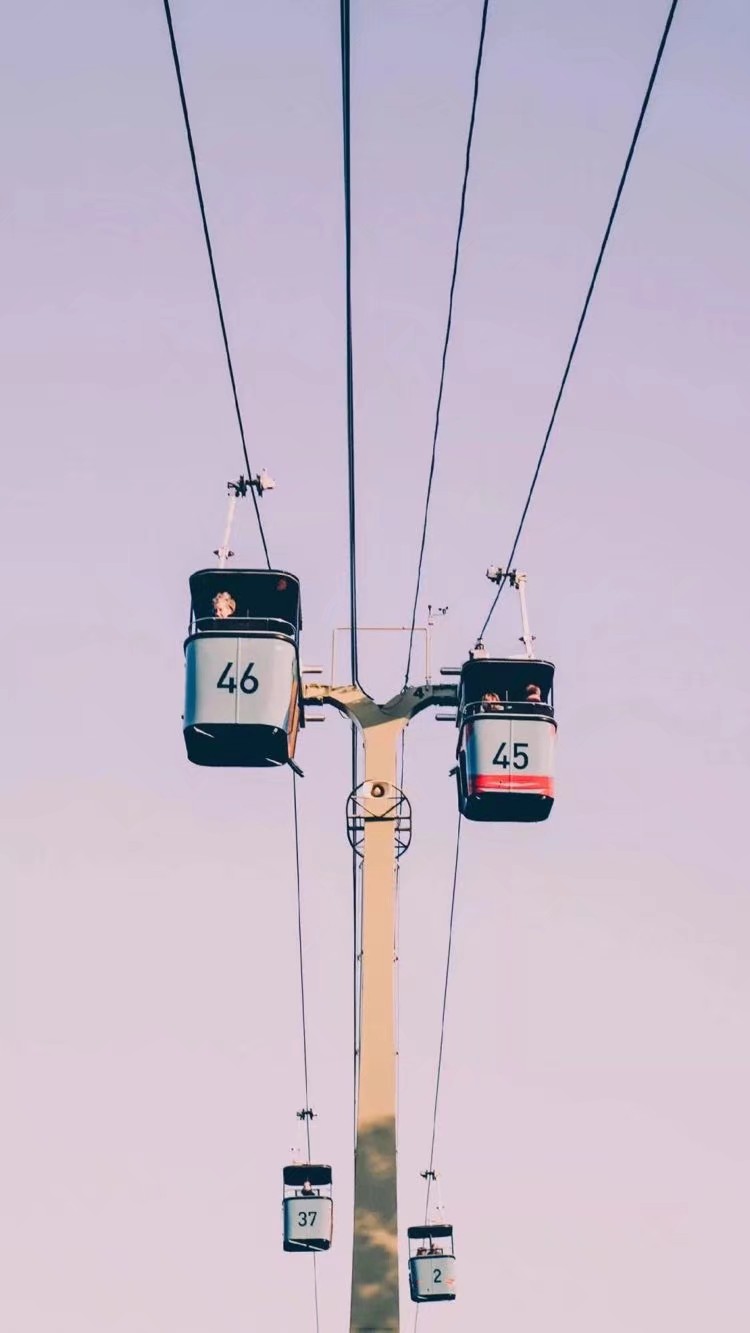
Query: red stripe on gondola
(517, 782)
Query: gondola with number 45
(506, 739)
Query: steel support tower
(379, 826)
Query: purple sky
(593, 1139)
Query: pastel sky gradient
(593, 1138)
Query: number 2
(437, 1275)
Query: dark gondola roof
(256, 592)
(429, 1233)
(314, 1175)
(480, 673)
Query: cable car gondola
(432, 1266)
(242, 691)
(308, 1208)
(506, 739)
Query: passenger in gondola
(224, 605)
(491, 703)
(533, 694)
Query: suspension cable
(306, 1112)
(345, 25)
(397, 947)
(357, 934)
(347, 164)
(303, 1007)
(315, 1291)
(214, 277)
(584, 312)
(446, 340)
(430, 1172)
(438, 1075)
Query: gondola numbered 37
(243, 704)
(308, 1208)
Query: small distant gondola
(308, 1208)
(432, 1263)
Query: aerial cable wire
(345, 32)
(347, 170)
(306, 1112)
(430, 1173)
(584, 312)
(357, 976)
(441, 1048)
(301, 956)
(397, 947)
(448, 327)
(214, 276)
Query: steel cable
(214, 277)
(448, 327)
(307, 1110)
(347, 170)
(438, 1075)
(441, 1047)
(584, 312)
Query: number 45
(520, 755)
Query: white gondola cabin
(308, 1208)
(432, 1263)
(242, 690)
(506, 739)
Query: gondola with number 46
(243, 703)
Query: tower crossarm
(352, 701)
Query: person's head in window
(533, 694)
(490, 702)
(224, 605)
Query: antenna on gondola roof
(517, 580)
(237, 490)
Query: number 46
(248, 683)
